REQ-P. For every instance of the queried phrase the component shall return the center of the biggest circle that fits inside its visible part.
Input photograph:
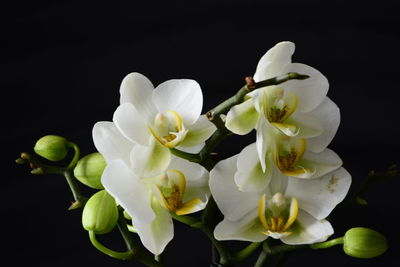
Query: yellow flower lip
(277, 221)
(287, 158)
(278, 105)
(170, 191)
(169, 129)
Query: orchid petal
(138, 90)
(199, 132)
(310, 92)
(150, 161)
(233, 203)
(182, 96)
(328, 115)
(247, 228)
(242, 118)
(274, 61)
(308, 230)
(320, 196)
(320, 163)
(158, 233)
(250, 176)
(196, 179)
(128, 190)
(131, 124)
(110, 142)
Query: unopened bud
(361, 242)
(100, 213)
(52, 147)
(89, 170)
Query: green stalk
(114, 254)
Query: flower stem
(262, 258)
(245, 253)
(114, 254)
(328, 244)
(80, 200)
(239, 96)
(75, 159)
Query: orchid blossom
(292, 210)
(161, 118)
(180, 188)
(297, 108)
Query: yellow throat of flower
(170, 190)
(168, 129)
(277, 214)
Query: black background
(62, 64)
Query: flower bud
(52, 147)
(89, 169)
(100, 213)
(361, 242)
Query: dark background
(62, 64)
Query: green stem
(261, 260)
(117, 255)
(282, 248)
(328, 244)
(245, 253)
(75, 159)
(80, 200)
(239, 96)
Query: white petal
(321, 163)
(199, 132)
(274, 61)
(307, 124)
(250, 176)
(329, 116)
(148, 161)
(183, 96)
(310, 92)
(320, 196)
(191, 149)
(157, 234)
(279, 181)
(196, 179)
(233, 203)
(110, 142)
(132, 124)
(242, 118)
(247, 228)
(137, 90)
(264, 140)
(129, 191)
(308, 230)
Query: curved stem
(328, 244)
(117, 255)
(76, 155)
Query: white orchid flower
(161, 118)
(295, 108)
(292, 210)
(181, 188)
(289, 157)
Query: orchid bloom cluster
(154, 164)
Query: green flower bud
(89, 170)
(100, 213)
(52, 147)
(361, 242)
